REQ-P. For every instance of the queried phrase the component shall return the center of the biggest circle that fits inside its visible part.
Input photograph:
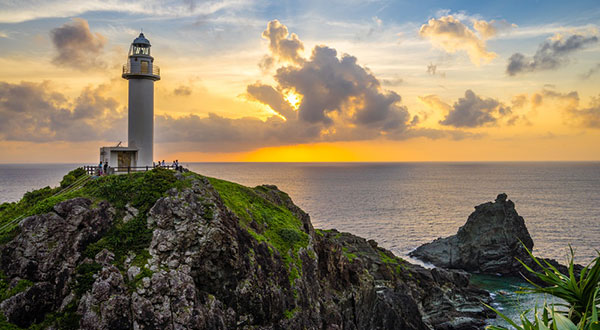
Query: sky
(245, 80)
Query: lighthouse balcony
(141, 71)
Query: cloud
(77, 46)
(492, 28)
(25, 10)
(336, 99)
(587, 117)
(283, 48)
(270, 96)
(432, 70)
(519, 101)
(182, 90)
(475, 111)
(551, 54)
(595, 69)
(34, 112)
(452, 35)
(434, 102)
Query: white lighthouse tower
(141, 73)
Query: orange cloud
(452, 35)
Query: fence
(95, 170)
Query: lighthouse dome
(141, 40)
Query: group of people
(175, 165)
(102, 168)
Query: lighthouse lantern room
(141, 73)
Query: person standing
(100, 169)
(105, 168)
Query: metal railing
(95, 170)
(128, 70)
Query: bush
(71, 177)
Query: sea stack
(491, 240)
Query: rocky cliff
(161, 250)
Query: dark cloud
(77, 46)
(551, 54)
(342, 89)
(283, 48)
(33, 112)
(392, 82)
(474, 111)
(182, 90)
(432, 70)
(273, 98)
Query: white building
(141, 73)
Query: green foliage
(280, 228)
(66, 320)
(140, 189)
(348, 254)
(67, 180)
(133, 236)
(289, 314)
(6, 291)
(137, 280)
(580, 293)
(84, 277)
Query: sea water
(403, 205)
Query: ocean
(403, 205)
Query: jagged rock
(107, 306)
(489, 242)
(209, 269)
(30, 306)
(46, 252)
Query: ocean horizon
(404, 204)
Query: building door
(124, 159)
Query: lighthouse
(141, 73)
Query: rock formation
(489, 242)
(209, 254)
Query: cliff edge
(164, 250)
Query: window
(145, 67)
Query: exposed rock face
(489, 242)
(208, 269)
(46, 252)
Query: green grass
(279, 227)
(349, 255)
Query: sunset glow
(252, 81)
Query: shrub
(580, 293)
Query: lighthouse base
(119, 159)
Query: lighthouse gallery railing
(142, 70)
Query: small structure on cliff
(141, 73)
